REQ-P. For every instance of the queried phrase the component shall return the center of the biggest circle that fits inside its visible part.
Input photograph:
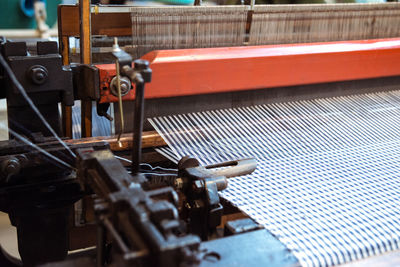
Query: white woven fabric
(327, 184)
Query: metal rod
(138, 125)
(120, 106)
(118, 76)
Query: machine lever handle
(234, 168)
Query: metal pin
(116, 48)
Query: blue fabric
(27, 7)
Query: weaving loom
(261, 135)
(327, 177)
(155, 28)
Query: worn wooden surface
(86, 58)
(149, 139)
(111, 24)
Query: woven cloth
(327, 183)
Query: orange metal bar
(212, 70)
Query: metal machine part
(138, 227)
(139, 75)
(144, 225)
(201, 184)
(255, 248)
(45, 81)
(286, 65)
(142, 228)
(125, 86)
(190, 91)
(38, 194)
(377, 20)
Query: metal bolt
(125, 86)
(10, 167)
(38, 74)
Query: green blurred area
(12, 17)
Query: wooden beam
(110, 24)
(86, 58)
(149, 139)
(66, 111)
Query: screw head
(38, 74)
(9, 168)
(125, 85)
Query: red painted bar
(212, 70)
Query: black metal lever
(140, 74)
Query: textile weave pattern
(327, 183)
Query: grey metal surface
(257, 248)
